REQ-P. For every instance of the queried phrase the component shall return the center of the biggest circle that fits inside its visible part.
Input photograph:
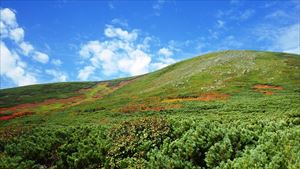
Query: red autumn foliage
(14, 115)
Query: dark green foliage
(75, 147)
(156, 143)
(211, 145)
(132, 140)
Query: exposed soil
(203, 97)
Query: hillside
(229, 109)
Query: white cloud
(282, 39)
(8, 17)
(162, 62)
(14, 68)
(17, 34)
(113, 32)
(58, 75)
(114, 56)
(137, 63)
(165, 52)
(3, 30)
(26, 48)
(40, 57)
(288, 39)
(121, 22)
(118, 55)
(12, 31)
(56, 62)
(11, 63)
(89, 49)
(85, 73)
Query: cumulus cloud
(288, 39)
(14, 47)
(26, 48)
(12, 65)
(119, 54)
(123, 52)
(10, 29)
(164, 60)
(282, 39)
(113, 32)
(137, 63)
(165, 52)
(14, 68)
(41, 57)
(85, 73)
(90, 49)
(17, 34)
(58, 75)
(8, 17)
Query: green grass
(249, 129)
(39, 93)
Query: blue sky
(55, 41)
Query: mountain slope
(229, 109)
(222, 74)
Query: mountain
(228, 109)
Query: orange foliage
(14, 115)
(203, 97)
(260, 87)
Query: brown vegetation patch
(265, 89)
(131, 108)
(68, 102)
(14, 115)
(261, 86)
(9, 132)
(203, 97)
(24, 109)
